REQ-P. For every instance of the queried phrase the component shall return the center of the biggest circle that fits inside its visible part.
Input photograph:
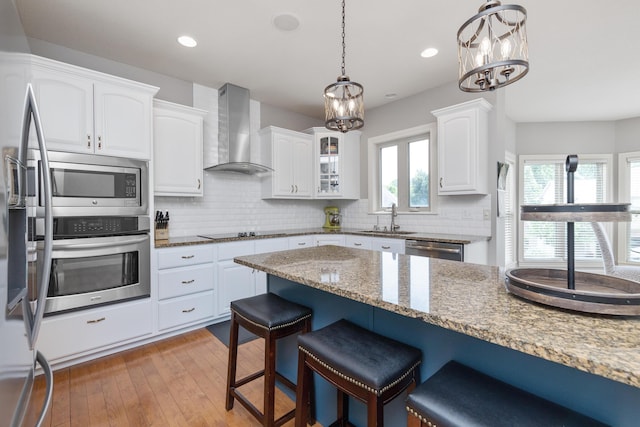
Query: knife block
(162, 233)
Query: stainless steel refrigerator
(22, 287)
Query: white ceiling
(584, 59)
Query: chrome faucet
(394, 213)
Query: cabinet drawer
(183, 281)
(388, 245)
(183, 310)
(180, 257)
(227, 251)
(75, 333)
(297, 242)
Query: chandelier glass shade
(343, 100)
(492, 47)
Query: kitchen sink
(386, 232)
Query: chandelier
(343, 100)
(492, 47)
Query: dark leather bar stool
(270, 317)
(370, 367)
(458, 396)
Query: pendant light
(492, 47)
(343, 100)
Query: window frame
(406, 136)
(624, 196)
(560, 158)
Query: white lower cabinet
(387, 245)
(78, 333)
(358, 242)
(329, 239)
(186, 309)
(186, 286)
(304, 241)
(264, 246)
(235, 281)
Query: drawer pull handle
(187, 256)
(186, 282)
(188, 310)
(386, 247)
(357, 244)
(96, 320)
(301, 244)
(96, 298)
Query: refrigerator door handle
(31, 112)
(48, 374)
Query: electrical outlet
(486, 214)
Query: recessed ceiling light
(286, 22)
(429, 52)
(187, 41)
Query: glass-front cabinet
(337, 164)
(329, 162)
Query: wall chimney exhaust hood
(234, 133)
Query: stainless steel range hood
(234, 133)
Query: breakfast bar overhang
(461, 311)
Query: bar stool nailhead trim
(356, 382)
(273, 328)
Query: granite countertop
(233, 237)
(467, 298)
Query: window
(510, 212)
(400, 165)
(543, 180)
(629, 191)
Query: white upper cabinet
(337, 164)
(177, 149)
(290, 155)
(463, 133)
(89, 112)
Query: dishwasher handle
(436, 249)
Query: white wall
(566, 138)
(628, 135)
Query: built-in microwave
(87, 185)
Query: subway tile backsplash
(232, 203)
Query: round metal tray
(593, 293)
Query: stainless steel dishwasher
(452, 251)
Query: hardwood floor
(179, 381)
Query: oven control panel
(70, 227)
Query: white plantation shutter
(544, 181)
(632, 241)
(511, 212)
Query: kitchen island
(461, 311)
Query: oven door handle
(103, 243)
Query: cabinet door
(329, 147)
(122, 121)
(462, 148)
(283, 165)
(302, 167)
(234, 282)
(457, 151)
(177, 153)
(65, 102)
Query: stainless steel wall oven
(101, 244)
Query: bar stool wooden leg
(233, 357)
(269, 380)
(303, 391)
